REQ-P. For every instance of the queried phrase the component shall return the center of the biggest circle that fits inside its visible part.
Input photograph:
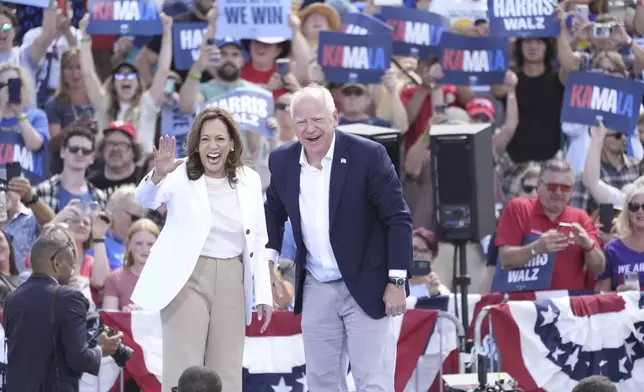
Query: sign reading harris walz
(473, 60)
(591, 97)
(518, 18)
(350, 58)
(122, 17)
(416, 33)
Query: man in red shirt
(578, 256)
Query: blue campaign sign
(254, 19)
(593, 96)
(361, 24)
(33, 3)
(416, 33)
(511, 18)
(249, 106)
(12, 149)
(176, 123)
(533, 276)
(124, 17)
(350, 58)
(474, 60)
(186, 42)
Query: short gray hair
(120, 197)
(556, 165)
(316, 91)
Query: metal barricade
(478, 344)
(460, 339)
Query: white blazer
(174, 255)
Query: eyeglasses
(353, 91)
(634, 207)
(528, 188)
(564, 188)
(76, 149)
(123, 145)
(123, 76)
(6, 27)
(282, 106)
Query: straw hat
(310, 7)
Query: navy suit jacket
(30, 362)
(370, 224)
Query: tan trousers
(205, 324)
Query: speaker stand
(460, 284)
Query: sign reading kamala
(474, 60)
(249, 106)
(124, 17)
(254, 18)
(416, 33)
(187, 38)
(592, 96)
(361, 24)
(533, 276)
(523, 18)
(12, 149)
(350, 58)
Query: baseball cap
(121, 126)
(480, 105)
(229, 41)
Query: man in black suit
(45, 323)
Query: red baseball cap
(480, 105)
(124, 127)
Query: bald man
(45, 323)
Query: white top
(226, 238)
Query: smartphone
(283, 66)
(601, 30)
(581, 10)
(566, 230)
(170, 86)
(606, 217)
(88, 208)
(4, 216)
(13, 170)
(210, 42)
(421, 268)
(15, 87)
(440, 109)
(632, 280)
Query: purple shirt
(621, 260)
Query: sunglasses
(481, 117)
(76, 149)
(528, 188)
(123, 76)
(350, 91)
(282, 106)
(634, 207)
(7, 27)
(562, 187)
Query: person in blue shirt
(125, 211)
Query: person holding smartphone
(624, 254)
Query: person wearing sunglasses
(624, 254)
(124, 212)
(77, 154)
(530, 227)
(603, 187)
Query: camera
(601, 30)
(421, 268)
(123, 353)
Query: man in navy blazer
(45, 310)
(353, 233)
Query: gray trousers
(337, 331)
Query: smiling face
(126, 83)
(315, 124)
(636, 212)
(78, 154)
(118, 150)
(215, 144)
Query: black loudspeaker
(390, 138)
(463, 179)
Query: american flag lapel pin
(342, 160)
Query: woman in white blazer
(201, 269)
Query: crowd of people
(89, 128)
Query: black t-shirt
(110, 186)
(538, 136)
(155, 44)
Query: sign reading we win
(523, 18)
(591, 97)
(123, 17)
(254, 19)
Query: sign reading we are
(252, 19)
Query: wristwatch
(34, 199)
(399, 282)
